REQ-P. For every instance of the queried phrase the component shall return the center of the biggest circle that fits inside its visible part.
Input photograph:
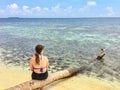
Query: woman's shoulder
(32, 59)
(45, 57)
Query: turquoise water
(69, 42)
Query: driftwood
(35, 84)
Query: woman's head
(39, 49)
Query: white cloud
(26, 9)
(36, 9)
(12, 9)
(56, 9)
(46, 9)
(53, 11)
(88, 5)
(110, 11)
(13, 6)
(91, 3)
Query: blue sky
(59, 8)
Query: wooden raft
(35, 84)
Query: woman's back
(43, 63)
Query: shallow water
(68, 42)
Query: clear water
(69, 42)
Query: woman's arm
(47, 62)
(31, 64)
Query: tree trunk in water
(35, 84)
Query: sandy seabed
(12, 76)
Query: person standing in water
(39, 64)
(101, 55)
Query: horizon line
(54, 17)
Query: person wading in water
(101, 55)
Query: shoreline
(17, 75)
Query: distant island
(13, 17)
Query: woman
(39, 64)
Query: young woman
(39, 64)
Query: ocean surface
(69, 43)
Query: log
(35, 84)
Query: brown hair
(38, 50)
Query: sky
(59, 8)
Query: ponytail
(37, 58)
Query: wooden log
(35, 84)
